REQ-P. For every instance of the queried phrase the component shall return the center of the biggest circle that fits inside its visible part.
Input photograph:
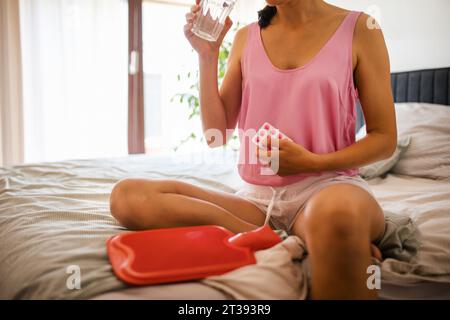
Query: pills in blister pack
(268, 130)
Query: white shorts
(282, 204)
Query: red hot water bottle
(181, 254)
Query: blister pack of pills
(265, 131)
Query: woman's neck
(295, 13)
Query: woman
(299, 68)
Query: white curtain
(11, 124)
(74, 78)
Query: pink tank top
(314, 104)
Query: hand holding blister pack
(268, 132)
(267, 139)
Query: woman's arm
(219, 109)
(373, 80)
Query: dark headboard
(430, 86)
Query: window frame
(136, 129)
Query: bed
(55, 218)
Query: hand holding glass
(211, 18)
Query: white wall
(417, 32)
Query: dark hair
(265, 16)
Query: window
(76, 65)
(166, 54)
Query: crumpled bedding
(427, 203)
(285, 270)
(56, 215)
(401, 239)
(278, 274)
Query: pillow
(379, 168)
(428, 154)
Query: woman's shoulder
(367, 28)
(367, 31)
(369, 45)
(243, 32)
(242, 36)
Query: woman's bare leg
(149, 204)
(338, 225)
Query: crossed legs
(149, 204)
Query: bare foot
(376, 253)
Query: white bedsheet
(56, 215)
(427, 202)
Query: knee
(121, 202)
(335, 219)
(129, 198)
